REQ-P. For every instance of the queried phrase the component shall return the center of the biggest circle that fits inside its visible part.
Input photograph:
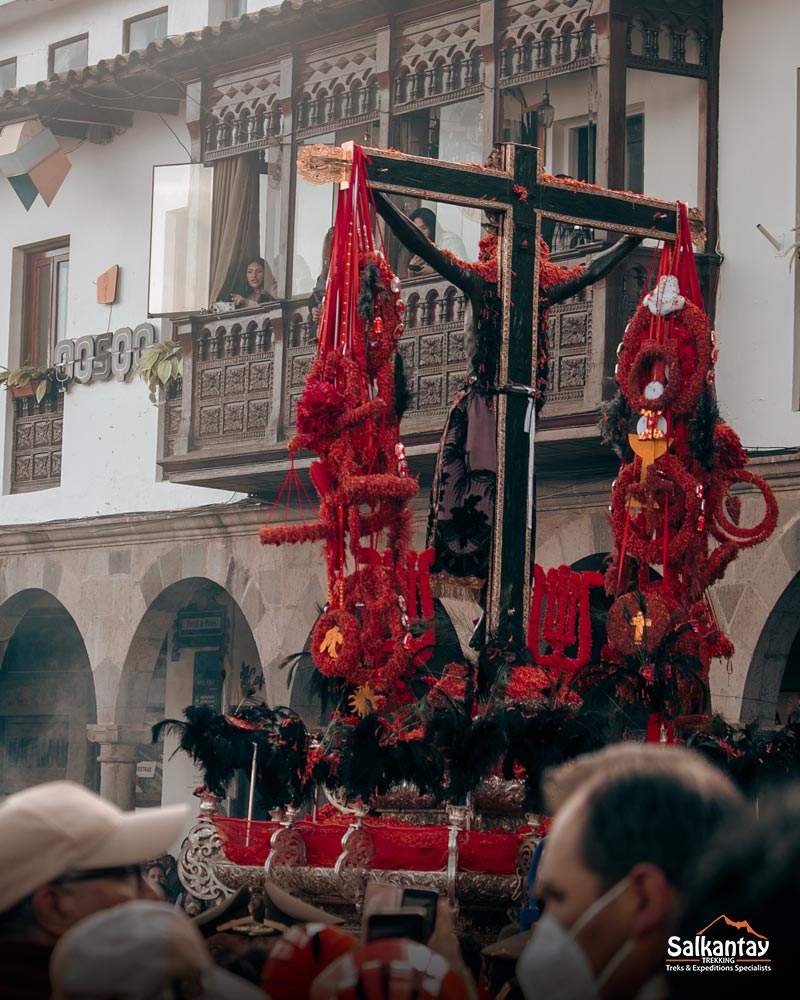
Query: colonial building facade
(131, 581)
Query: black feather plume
(614, 425)
(701, 432)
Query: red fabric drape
(398, 846)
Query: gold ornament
(362, 701)
(331, 643)
(323, 164)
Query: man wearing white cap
(65, 853)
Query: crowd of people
(649, 847)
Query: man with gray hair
(629, 822)
(65, 854)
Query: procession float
(429, 773)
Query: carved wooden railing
(432, 347)
(36, 451)
(244, 371)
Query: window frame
(51, 50)
(126, 25)
(10, 62)
(56, 251)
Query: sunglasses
(117, 873)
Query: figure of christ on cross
(482, 523)
(463, 495)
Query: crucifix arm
(419, 244)
(600, 266)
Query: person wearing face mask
(629, 822)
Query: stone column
(119, 755)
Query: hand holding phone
(407, 922)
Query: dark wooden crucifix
(521, 197)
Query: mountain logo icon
(735, 925)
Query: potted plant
(29, 380)
(160, 365)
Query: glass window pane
(42, 346)
(313, 216)
(235, 8)
(146, 30)
(8, 74)
(270, 217)
(180, 238)
(71, 55)
(62, 277)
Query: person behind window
(253, 289)
(318, 294)
(425, 220)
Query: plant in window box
(160, 366)
(30, 380)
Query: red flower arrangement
(560, 614)
(319, 409)
(682, 342)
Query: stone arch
(763, 682)
(765, 620)
(167, 582)
(167, 667)
(754, 603)
(47, 693)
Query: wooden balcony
(228, 423)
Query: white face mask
(555, 967)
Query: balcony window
(8, 74)
(209, 224)
(451, 132)
(72, 53)
(313, 217)
(140, 31)
(180, 232)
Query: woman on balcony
(252, 291)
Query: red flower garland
(689, 359)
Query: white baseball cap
(135, 950)
(61, 827)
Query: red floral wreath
(337, 658)
(668, 480)
(624, 623)
(688, 366)
(639, 375)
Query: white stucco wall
(28, 27)
(110, 428)
(758, 184)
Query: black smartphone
(409, 922)
(424, 899)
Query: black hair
(429, 219)
(660, 818)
